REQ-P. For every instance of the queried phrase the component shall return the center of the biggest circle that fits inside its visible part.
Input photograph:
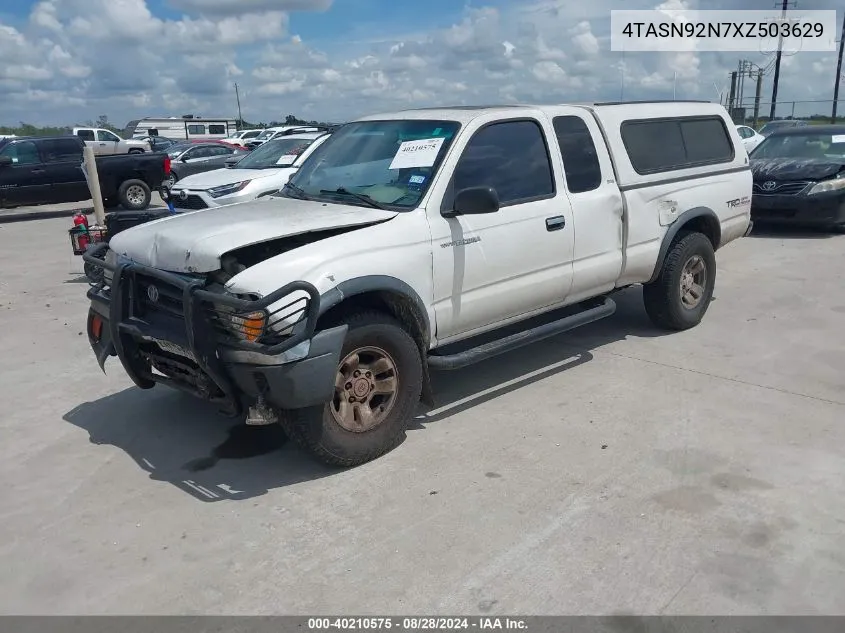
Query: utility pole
(757, 96)
(238, 97)
(838, 79)
(777, 65)
(732, 96)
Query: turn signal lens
(251, 325)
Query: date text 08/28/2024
(416, 623)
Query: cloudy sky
(65, 61)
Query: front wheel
(680, 296)
(377, 388)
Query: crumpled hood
(227, 176)
(194, 242)
(795, 168)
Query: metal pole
(732, 94)
(757, 97)
(240, 117)
(777, 66)
(93, 179)
(674, 85)
(838, 78)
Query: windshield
(389, 163)
(281, 152)
(802, 146)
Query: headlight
(225, 190)
(837, 184)
(247, 327)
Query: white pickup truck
(106, 142)
(407, 242)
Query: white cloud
(75, 59)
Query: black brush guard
(201, 338)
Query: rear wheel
(377, 389)
(680, 296)
(136, 151)
(134, 195)
(170, 180)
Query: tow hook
(260, 414)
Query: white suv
(261, 172)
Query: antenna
(240, 118)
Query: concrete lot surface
(612, 470)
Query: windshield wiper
(297, 190)
(358, 196)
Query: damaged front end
(190, 333)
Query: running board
(520, 339)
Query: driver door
(494, 268)
(106, 142)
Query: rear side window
(580, 159)
(61, 151)
(216, 129)
(511, 157)
(661, 145)
(85, 135)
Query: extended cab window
(661, 145)
(511, 157)
(61, 151)
(22, 153)
(580, 159)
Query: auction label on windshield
(287, 159)
(420, 153)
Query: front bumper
(827, 209)
(189, 353)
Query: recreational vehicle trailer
(186, 127)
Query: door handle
(39, 171)
(556, 223)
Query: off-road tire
(132, 187)
(662, 298)
(316, 429)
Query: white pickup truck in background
(106, 142)
(418, 240)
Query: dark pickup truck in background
(48, 170)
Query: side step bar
(520, 339)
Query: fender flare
(384, 283)
(676, 226)
(377, 283)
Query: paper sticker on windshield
(837, 138)
(287, 159)
(416, 180)
(420, 153)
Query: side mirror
(5, 161)
(474, 201)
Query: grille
(192, 202)
(790, 188)
(168, 298)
